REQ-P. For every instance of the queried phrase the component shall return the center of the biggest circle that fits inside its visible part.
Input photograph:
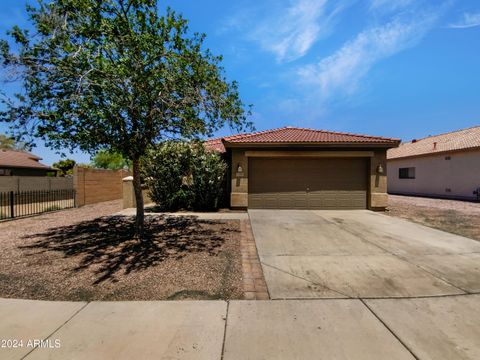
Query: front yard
(87, 254)
(458, 217)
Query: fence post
(127, 191)
(12, 206)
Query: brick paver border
(254, 285)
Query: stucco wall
(377, 197)
(129, 200)
(377, 186)
(30, 183)
(434, 174)
(239, 181)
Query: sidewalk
(422, 328)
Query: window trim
(406, 173)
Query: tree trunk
(137, 188)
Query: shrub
(183, 175)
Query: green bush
(183, 175)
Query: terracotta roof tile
(296, 135)
(23, 159)
(215, 144)
(452, 141)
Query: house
(446, 165)
(297, 168)
(22, 163)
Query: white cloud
(341, 72)
(290, 33)
(389, 5)
(468, 20)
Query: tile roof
(23, 159)
(452, 141)
(295, 135)
(215, 144)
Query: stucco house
(445, 165)
(22, 163)
(297, 168)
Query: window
(406, 173)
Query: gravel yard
(458, 217)
(85, 254)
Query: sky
(397, 68)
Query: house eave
(27, 167)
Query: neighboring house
(22, 163)
(296, 168)
(446, 165)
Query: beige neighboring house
(297, 168)
(446, 165)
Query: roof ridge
(441, 134)
(219, 138)
(342, 133)
(246, 135)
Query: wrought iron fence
(15, 204)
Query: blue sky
(398, 68)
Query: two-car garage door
(299, 183)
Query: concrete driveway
(360, 254)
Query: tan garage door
(335, 183)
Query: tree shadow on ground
(156, 209)
(108, 243)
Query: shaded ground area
(82, 254)
(458, 217)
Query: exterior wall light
(380, 169)
(239, 171)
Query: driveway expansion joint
(390, 330)
(225, 331)
(377, 297)
(58, 328)
(307, 280)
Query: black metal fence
(15, 204)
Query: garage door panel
(285, 201)
(338, 200)
(278, 200)
(255, 201)
(308, 183)
(270, 200)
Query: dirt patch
(458, 217)
(80, 256)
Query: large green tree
(105, 159)
(118, 75)
(9, 143)
(65, 166)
